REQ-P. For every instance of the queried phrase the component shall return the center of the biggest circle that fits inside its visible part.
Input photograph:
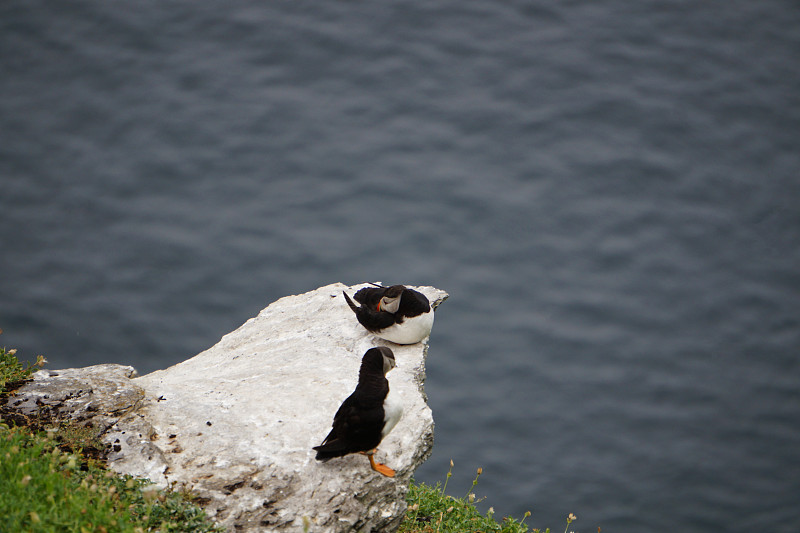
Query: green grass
(55, 491)
(12, 372)
(431, 510)
(50, 485)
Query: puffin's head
(388, 359)
(391, 299)
(378, 359)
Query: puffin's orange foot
(380, 468)
(383, 469)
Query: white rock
(236, 423)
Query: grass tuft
(431, 510)
(12, 372)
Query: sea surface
(609, 191)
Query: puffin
(367, 415)
(397, 314)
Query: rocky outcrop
(236, 423)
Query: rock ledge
(236, 423)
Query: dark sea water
(609, 191)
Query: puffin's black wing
(368, 317)
(370, 296)
(413, 303)
(357, 427)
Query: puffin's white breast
(410, 331)
(393, 410)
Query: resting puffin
(396, 313)
(367, 415)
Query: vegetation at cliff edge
(54, 480)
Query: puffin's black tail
(350, 303)
(329, 450)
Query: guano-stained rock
(97, 395)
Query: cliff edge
(236, 423)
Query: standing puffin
(396, 313)
(367, 415)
